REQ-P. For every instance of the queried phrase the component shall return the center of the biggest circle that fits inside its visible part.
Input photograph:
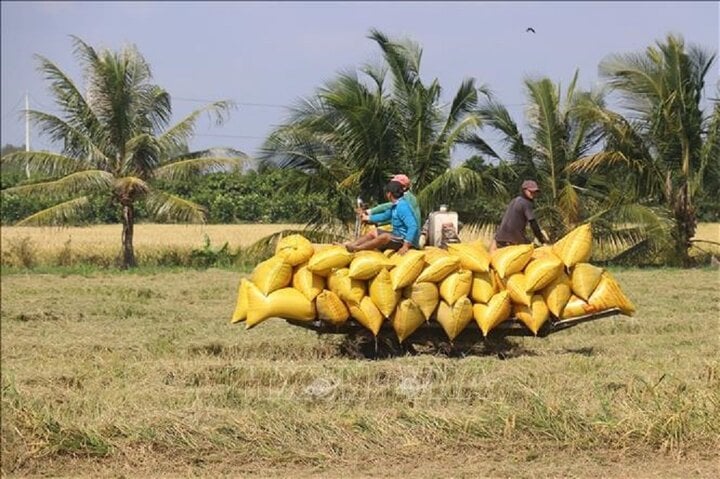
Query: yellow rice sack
(482, 287)
(516, 285)
(288, 303)
(329, 258)
(425, 295)
(608, 295)
(454, 319)
(577, 307)
(241, 305)
(473, 256)
(294, 249)
(347, 289)
(367, 314)
(541, 251)
(557, 294)
(407, 319)
(533, 316)
(456, 285)
(408, 268)
(307, 282)
(575, 247)
(438, 270)
(433, 253)
(383, 294)
(542, 271)
(511, 259)
(585, 278)
(272, 274)
(367, 264)
(330, 308)
(498, 309)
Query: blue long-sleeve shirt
(403, 221)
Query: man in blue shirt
(405, 228)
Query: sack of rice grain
(516, 285)
(542, 271)
(608, 295)
(456, 285)
(409, 266)
(498, 309)
(286, 303)
(330, 308)
(367, 264)
(473, 256)
(455, 318)
(367, 314)
(585, 278)
(307, 282)
(383, 294)
(272, 274)
(407, 318)
(323, 262)
(241, 305)
(483, 287)
(438, 270)
(294, 249)
(533, 316)
(575, 247)
(511, 259)
(557, 294)
(425, 295)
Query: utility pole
(27, 132)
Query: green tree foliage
(356, 131)
(115, 141)
(662, 141)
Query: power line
(231, 136)
(243, 103)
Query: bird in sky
(530, 29)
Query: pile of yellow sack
(453, 287)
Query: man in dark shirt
(518, 214)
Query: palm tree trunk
(685, 225)
(128, 218)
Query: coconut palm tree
(557, 137)
(662, 138)
(115, 140)
(358, 130)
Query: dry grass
(100, 245)
(157, 244)
(141, 375)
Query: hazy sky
(266, 55)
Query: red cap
(530, 185)
(403, 180)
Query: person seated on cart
(407, 194)
(405, 231)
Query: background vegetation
(643, 171)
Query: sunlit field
(141, 375)
(161, 244)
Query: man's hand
(364, 217)
(404, 248)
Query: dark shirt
(512, 227)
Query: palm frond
(182, 131)
(76, 141)
(453, 184)
(183, 168)
(167, 207)
(58, 214)
(46, 163)
(82, 182)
